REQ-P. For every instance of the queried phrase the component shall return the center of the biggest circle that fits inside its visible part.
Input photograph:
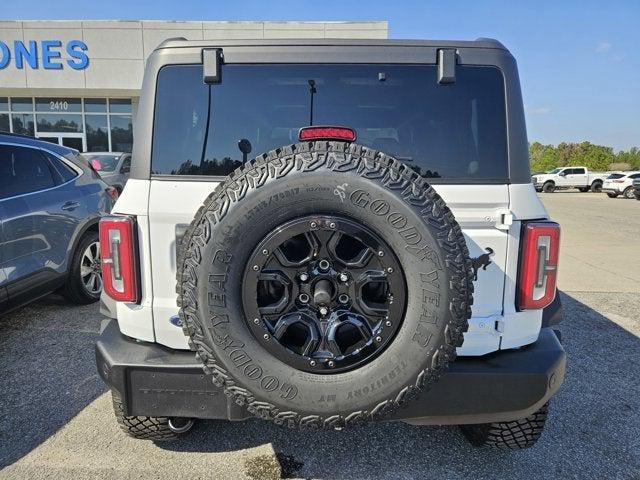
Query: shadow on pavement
(592, 430)
(48, 371)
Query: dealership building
(77, 83)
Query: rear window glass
(445, 132)
(613, 176)
(103, 163)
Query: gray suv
(113, 167)
(50, 205)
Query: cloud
(537, 110)
(603, 47)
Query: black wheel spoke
(324, 294)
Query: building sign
(46, 54)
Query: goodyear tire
(359, 185)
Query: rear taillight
(118, 252)
(540, 246)
(618, 181)
(327, 133)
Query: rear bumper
(157, 381)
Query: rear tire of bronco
(516, 435)
(144, 428)
(320, 352)
(549, 187)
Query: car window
(23, 170)
(65, 172)
(102, 163)
(613, 176)
(578, 171)
(454, 132)
(126, 165)
(635, 175)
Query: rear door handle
(68, 206)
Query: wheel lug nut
(332, 225)
(381, 253)
(314, 224)
(331, 364)
(256, 268)
(265, 252)
(343, 298)
(323, 311)
(378, 338)
(256, 321)
(266, 336)
(304, 277)
(324, 265)
(388, 323)
(343, 277)
(303, 297)
(390, 270)
(312, 363)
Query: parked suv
(620, 183)
(383, 257)
(113, 167)
(50, 204)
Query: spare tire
(324, 284)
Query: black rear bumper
(157, 381)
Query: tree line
(595, 157)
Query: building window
(5, 126)
(97, 124)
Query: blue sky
(579, 60)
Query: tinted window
(454, 132)
(23, 170)
(578, 171)
(635, 175)
(613, 176)
(65, 172)
(126, 165)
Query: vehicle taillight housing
(118, 254)
(327, 133)
(540, 248)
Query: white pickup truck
(569, 177)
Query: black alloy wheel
(324, 294)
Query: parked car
(331, 279)
(569, 177)
(620, 183)
(50, 205)
(636, 188)
(113, 167)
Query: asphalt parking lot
(56, 419)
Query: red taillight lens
(540, 247)
(327, 133)
(119, 267)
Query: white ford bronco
(326, 233)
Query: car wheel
(549, 187)
(596, 186)
(612, 195)
(84, 283)
(628, 193)
(316, 271)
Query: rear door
(578, 177)
(453, 135)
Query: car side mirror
(562, 174)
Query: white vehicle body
(491, 220)
(569, 177)
(620, 183)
